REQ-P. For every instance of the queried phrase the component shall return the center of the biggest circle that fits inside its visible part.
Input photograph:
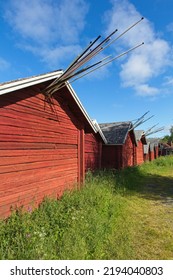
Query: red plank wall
(120, 156)
(139, 153)
(151, 155)
(39, 149)
(129, 152)
(93, 152)
(146, 157)
(156, 152)
(112, 156)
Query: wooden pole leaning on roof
(116, 57)
(124, 32)
(85, 57)
(148, 130)
(108, 38)
(61, 85)
(136, 123)
(55, 88)
(80, 60)
(76, 59)
(141, 122)
(86, 68)
(155, 131)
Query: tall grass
(106, 219)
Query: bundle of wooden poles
(75, 70)
(142, 120)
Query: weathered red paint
(120, 156)
(93, 151)
(41, 147)
(156, 152)
(139, 153)
(81, 156)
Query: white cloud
(169, 81)
(4, 65)
(137, 67)
(47, 20)
(146, 62)
(146, 90)
(48, 28)
(32, 19)
(55, 56)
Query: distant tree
(168, 138)
(165, 139)
(171, 132)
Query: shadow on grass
(150, 186)
(136, 180)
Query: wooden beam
(81, 156)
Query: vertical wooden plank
(81, 156)
(134, 154)
(100, 155)
(79, 161)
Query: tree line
(168, 138)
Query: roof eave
(100, 131)
(23, 83)
(94, 128)
(27, 82)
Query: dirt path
(160, 189)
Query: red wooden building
(42, 141)
(146, 151)
(151, 149)
(120, 150)
(165, 149)
(152, 152)
(154, 147)
(93, 148)
(141, 141)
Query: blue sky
(38, 36)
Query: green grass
(116, 215)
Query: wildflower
(29, 209)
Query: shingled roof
(140, 135)
(146, 148)
(154, 140)
(116, 132)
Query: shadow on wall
(128, 157)
(92, 160)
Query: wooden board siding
(120, 156)
(39, 143)
(128, 152)
(93, 152)
(112, 156)
(151, 155)
(81, 156)
(146, 157)
(156, 152)
(139, 153)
